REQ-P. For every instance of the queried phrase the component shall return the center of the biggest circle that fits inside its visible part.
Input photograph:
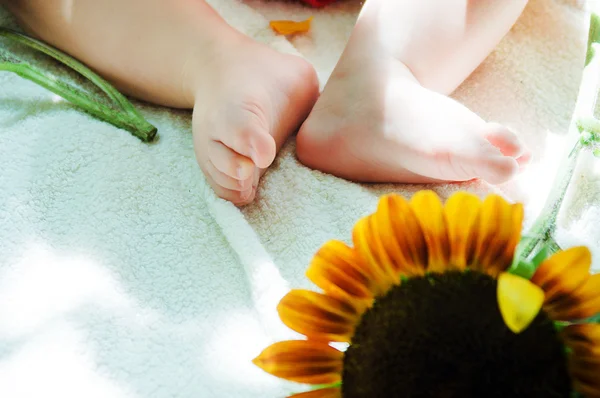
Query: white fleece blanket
(123, 276)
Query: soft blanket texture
(122, 275)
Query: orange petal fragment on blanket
(291, 27)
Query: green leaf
(591, 125)
(586, 138)
(524, 269)
(594, 319)
(559, 325)
(324, 386)
(543, 254)
(45, 65)
(525, 266)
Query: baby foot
(375, 123)
(248, 101)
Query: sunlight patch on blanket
(56, 360)
(44, 285)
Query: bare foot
(247, 98)
(375, 123)
(248, 102)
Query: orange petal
(462, 212)
(560, 275)
(582, 303)
(585, 370)
(322, 393)
(374, 257)
(583, 339)
(286, 27)
(518, 213)
(498, 234)
(302, 361)
(336, 269)
(430, 213)
(318, 316)
(587, 390)
(401, 236)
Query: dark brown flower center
(442, 336)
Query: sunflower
(426, 303)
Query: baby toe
(223, 180)
(228, 162)
(505, 140)
(248, 133)
(498, 169)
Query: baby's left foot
(375, 123)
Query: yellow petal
(430, 213)
(498, 234)
(582, 303)
(518, 213)
(520, 301)
(462, 212)
(286, 27)
(374, 258)
(302, 361)
(401, 236)
(322, 393)
(336, 269)
(564, 272)
(390, 243)
(319, 317)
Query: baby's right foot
(250, 98)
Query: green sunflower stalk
(449, 300)
(18, 54)
(584, 134)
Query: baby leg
(384, 115)
(247, 98)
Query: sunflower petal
(584, 361)
(587, 390)
(336, 269)
(520, 301)
(322, 393)
(518, 213)
(583, 339)
(461, 211)
(584, 372)
(430, 213)
(286, 27)
(302, 361)
(499, 232)
(582, 303)
(563, 273)
(318, 316)
(401, 235)
(375, 260)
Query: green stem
(124, 115)
(540, 236)
(542, 230)
(94, 108)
